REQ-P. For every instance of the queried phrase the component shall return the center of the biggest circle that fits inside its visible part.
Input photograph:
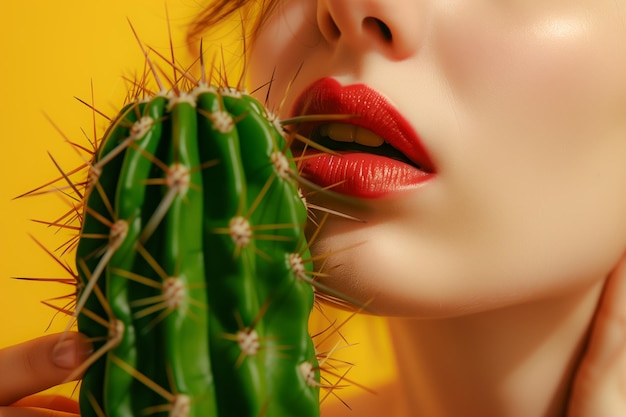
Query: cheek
(543, 104)
(286, 42)
(547, 69)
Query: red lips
(356, 173)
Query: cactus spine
(190, 260)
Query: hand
(600, 384)
(34, 366)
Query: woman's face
(520, 106)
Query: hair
(218, 11)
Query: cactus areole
(190, 264)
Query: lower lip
(361, 175)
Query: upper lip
(372, 111)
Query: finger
(608, 334)
(597, 388)
(33, 412)
(40, 364)
(55, 402)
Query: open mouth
(375, 151)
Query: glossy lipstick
(356, 173)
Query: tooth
(341, 132)
(368, 138)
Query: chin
(376, 279)
(369, 279)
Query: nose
(392, 26)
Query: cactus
(192, 279)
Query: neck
(513, 362)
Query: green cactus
(192, 279)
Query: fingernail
(71, 352)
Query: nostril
(377, 25)
(330, 29)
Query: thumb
(599, 385)
(39, 364)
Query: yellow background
(51, 51)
